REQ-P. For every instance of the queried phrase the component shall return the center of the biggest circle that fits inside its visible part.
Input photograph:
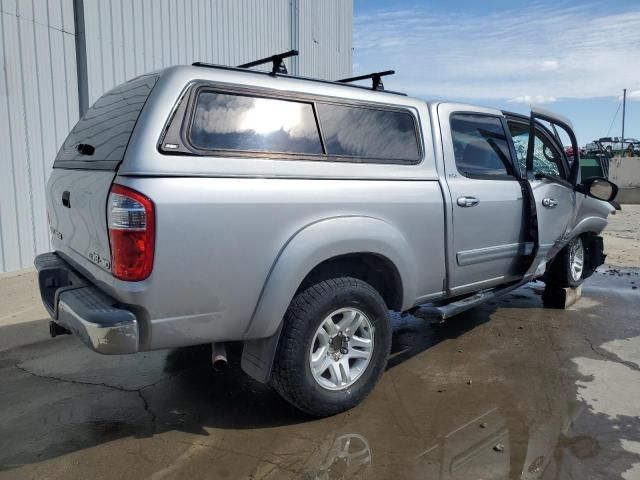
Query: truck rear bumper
(77, 305)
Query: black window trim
(513, 175)
(188, 98)
(110, 165)
(564, 164)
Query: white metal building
(59, 56)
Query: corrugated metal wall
(325, 40)
(38, 107)
(39, 95)
(126, 38)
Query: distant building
(59, 56)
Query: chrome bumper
(75, 304)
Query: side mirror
(598, 187)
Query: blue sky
(573, 57)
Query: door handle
(549, 202)
(66, 199)
(467, 202)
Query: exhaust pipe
(219, 356)
(55, 330)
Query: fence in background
(625, 172)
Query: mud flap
(595, 256)
(258, 355)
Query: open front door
(551, 176)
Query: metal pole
(81, 56)
(624, 104)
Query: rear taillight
(131, 220)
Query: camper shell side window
(224, 121)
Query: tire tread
(286, 377)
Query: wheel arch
(357, 244)
(372, 268)
(314, 252)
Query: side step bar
(449, 310)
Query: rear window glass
(108, 124)
(225, 121)
(367, 132)
(480, 145)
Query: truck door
(487, 219)
(551, 175)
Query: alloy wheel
(341, 348)
(576, 260)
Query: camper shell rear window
(100, 138)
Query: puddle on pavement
(612, 389)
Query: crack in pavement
(610, 356)
(152, 416)
(139, 391)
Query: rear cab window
(480, 146)
(237, 124)
(100, 138)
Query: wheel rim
(576, 258)
(341, 348)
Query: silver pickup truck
(206, 204)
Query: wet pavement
(507, 390)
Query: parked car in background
(206, 204)
(569, 151)
(613, 144)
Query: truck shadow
(413, 335)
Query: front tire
(333, 347)
(567, 269)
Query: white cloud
(559, 51)
(633, 95)
(532, 99)
(549, 65)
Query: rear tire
(333, 347)
(567, 269)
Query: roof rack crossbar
(375, 77)
(309, 79)
(278, 63)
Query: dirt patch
(622, 237)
